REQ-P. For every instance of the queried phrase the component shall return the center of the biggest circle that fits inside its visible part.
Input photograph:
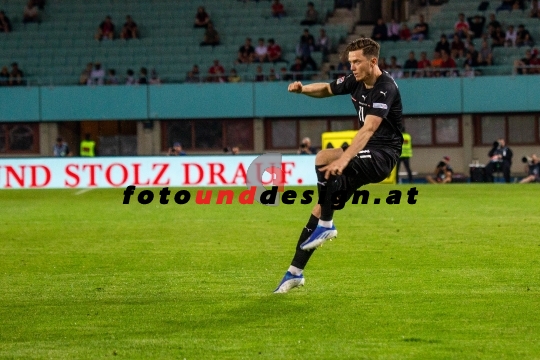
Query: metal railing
(502, 70)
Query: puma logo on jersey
(384, 93)
(363, 96)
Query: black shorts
(367, 167)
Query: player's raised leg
(325, 229)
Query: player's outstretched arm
(316, 90)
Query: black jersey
(383, 100)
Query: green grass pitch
(455, 276)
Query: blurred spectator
(31, 12)
(202, 19)
(485, 56)
(468, 71)
(261, 51)
(421, 30)
(437, 60)
(154, 78)
(493, 24)
(500, 159)
(470, 59)
(410, 64)
(112, 79)
(393, 30)
(535, 9)
(380, 31)
(246, 53)
(215, 71)
(457, 47)
(447, 63)
(5, 23)
(394, 68)
(306, 148)
(85, 75)
(130, 79)
(532, 168)
(323, 44)
(60, 148)
(4, 76)
(278, 10)
(443, 172)
(97, 76)
(511, 37)
(424, 62)
(382, 64)
(129, 31)
(259, 75)
(176, 150)
(297, 68)
(461, 27)
(16, 77)
(194, 75)
(497, 37)
(304, 49)
(312, 16)
(143, 77)
(211, 36)
(233, 76)
(443, 44)
(344, 67)
(105, 30)
(476, 25)
(523, 37)
(273, 51)
(272, 76)
(474, 54)
(284, 75)
(506, 5)
(405, 33)
(40, 4)
(534, 62)
(235, 150)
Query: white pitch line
(83, 191)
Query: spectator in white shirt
(511, 37)
(261, 52)
(97, 76)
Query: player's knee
(325, 157)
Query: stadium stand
(57, 50)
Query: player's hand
(335, 168)
(296, 87)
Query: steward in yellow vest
(406, 154)
(88, 147)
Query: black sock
(301, 257)
(327, 211)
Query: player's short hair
(369, 46)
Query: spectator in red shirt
(278, 10)
(274, 51)
(461, 27)
(405, 33)
(201, 18)
(105, 30)
(447, 63)
(214, 71)
(423, 64)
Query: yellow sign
(337, 139)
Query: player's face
(361, 66)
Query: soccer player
(370, 158)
